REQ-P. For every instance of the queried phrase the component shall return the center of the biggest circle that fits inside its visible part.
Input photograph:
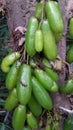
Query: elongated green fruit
(34, 106)
(38, 10)
(19, 117)
(32, 63)
(12, 75)
(54, 87)
(45, 80)
(31, 121)
(46, 63)
(30, 36)
(54, 16)
(9, 60)
(49, 71)
(24, 84)
(58, 36)
(41, 94)
(50, 47)
(52, 74)
(38, 41)
(58, 6)
(11, 101)
(68, 87)
(69, 55)
(71, 27)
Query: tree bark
(18, 13)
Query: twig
(67, 64)
(66, 110)
(5, 119)
(42, 14)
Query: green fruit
(50, 47)
(69, 56)
(45, 80)
(68, 87)
(9, 60)
(41, 94)
(38, 41)
(30, 36)
(58, 6)
(19, 117)
(31, 121)
(38, 10)
(24, 84)
(58, 36)
(54, 87)
(34, 106)
(49, 71)
(11, 101)
(54, 76)
(32, 63)
(54, 16)
(71, 27)
(12, 75)
(46, 63)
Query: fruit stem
(27, 59)
(42, 17)
(24, 54)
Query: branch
(66, 110)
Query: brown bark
(62, 43)
(18, 13)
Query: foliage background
(4, 36)
(4, 49)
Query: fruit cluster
(43, 35)
(30, 84)
(29, 88)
